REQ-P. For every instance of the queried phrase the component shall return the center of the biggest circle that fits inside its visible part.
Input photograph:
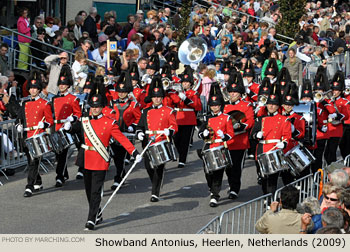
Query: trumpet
(166, 82)
(109, 80)
(146, 79)
(320, 96)
(347, 90)
(262, 99)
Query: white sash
(94, 139)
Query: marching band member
(324, 110)
(289, 100)
(93, 154)
(173, 60)
(66, 109)
(127, 114)
(138, 92)
(273, 132)
(342, 108)
(264, 90)
(216, 130)
(159, 121)
(33, 117)
(152, 70)
(186, 107)
(283, 78)
(271, 70)
(252, 88)
(240, 141)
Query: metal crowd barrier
(305, 185)
(241, 219)
(334, 63)
(213, 227)
(11, 153)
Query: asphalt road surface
(183, 209)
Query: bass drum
(308, 112)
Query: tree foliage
(292, 11)
(185, 20)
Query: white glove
(324, 128)
(236, 126)
(70, 119)
(141, 136)
(332, 116)
(138, 158)
(41, 125)
(206, 133)
(130, 129)
(67, 126)
(259, 135)
(20, 128)
(293, 128)
(280, 145)
(182, 96)
(166, 132)
(220, 133)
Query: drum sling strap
(93, 138)
(122, 109)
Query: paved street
(184, 207)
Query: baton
(126, 175)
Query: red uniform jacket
(105, 128)
(127, 113)
(63, 107)
(157, 119)
(254, 91)
(218, 122)
(241, 139)
(186, 110)
(140, 95)
(323, 110)
(274, 127)
(34, 111)
(299, 132)
(343, 114)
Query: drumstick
(65, 119)
(38, 127)
(163, 133)
(274, 147)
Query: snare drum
(272, 162)
(216, 159)
(298, 159)
(39, 144)
(62, 140)
(159, 153)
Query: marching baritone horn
(146, 79)
(320, 96)
(166, 82)
(262, 99)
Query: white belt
(215, 141)
(325, 121)
(184, 109)
(269, 141)
(60, 121)
(154, 132)
(31, 128)
(85, 147)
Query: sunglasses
(64, 58)
(328, 198)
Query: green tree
(185, 20)
(292, 11)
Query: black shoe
(154, 198)
(260, 180)
(89, 225)
(99, 219)
(181, 165)
(114, 186)
(79, 175)
(232, 195)
(37, 188)
(27, 193)
(213, 203)
(59, 183)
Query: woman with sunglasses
(331, 196)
